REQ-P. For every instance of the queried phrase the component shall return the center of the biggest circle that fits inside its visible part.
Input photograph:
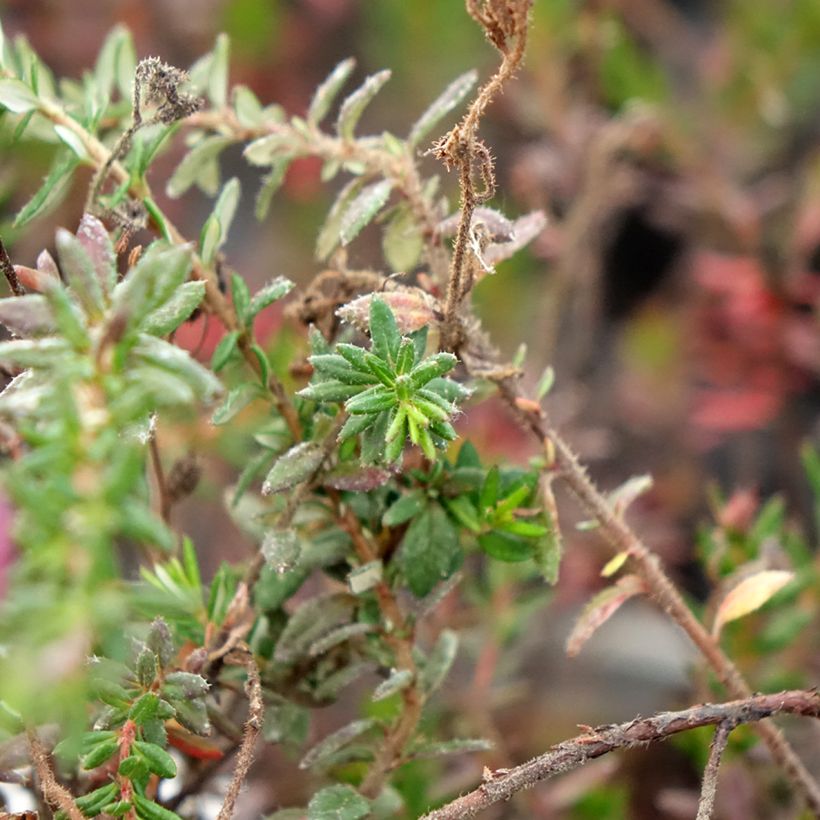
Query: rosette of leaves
(391, 391)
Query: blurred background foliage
(676, 289)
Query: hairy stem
(55, 794)
(623, 539)
(570, 754)
(708, 790)
(398, 634)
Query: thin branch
(159, 475)
(253, 726)
(398, 634)
(708, 790)
(623, 539)
(55, 794)
(215, 302)
(570, 754)
(9, 272)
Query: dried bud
(183, 477)
(159, 84)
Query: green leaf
(157, 276)
(339, 802)
(80, 273)
(363, 208)
(54, 187)
(442, 106)
(545, 383)
(370, 401)
(327, 92)
(238, 399)
(94, 238)
(249, 110)
(158, 760)
(116, 48)
(399, 679)
(270, 149)
(195, 165)
(334, 366)
(329, 234)
(167, 318)
(224, 350)
(100, 753)
(17, 97)
(505, 547)
(404, 508)
(439, 661)
(383, 331)
(149, 810)
(490, 489)
(282, 550)
(429, 551)
(463, 510)
(33, 353)
(223, 213)
(432, 368)
(353, 107)
(271, 183)
(355, 425)
(338, 740)
(92, 803)
(402, 240)
(179, 362)
(310, 621)
(275, 290)
(431, 749)
(297, 465)
(241, 297)
(218, 74)
(332, 391)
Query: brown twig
(398, 634)
(242, 656)
(623, 539)
(159, 475)
(600, 741)
(708, 789)
(506, 23)
(55, 794)
(9, 272)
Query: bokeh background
(675, 147)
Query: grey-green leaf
(327, 92)
(330, 232)
(338, 740)
(442, 105)
(439, 661)
(194, 163)
(399, 679)
(361, 211)
(294, 467)
(80, 272)
(281, 549)
(353, 107)
(450, 747)
(54, 187)
(17, 97)
(268, 294)
(28, 315)
(339, 802)
(169, 316)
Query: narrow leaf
(338, 740)
(600, 609)
(17, 97)
(442, 106)
(268, 294)
(52, 190)
(363, 209)
(398, 680)
(327, 92)
(197, 160)
(440, 661)
(354, 106)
